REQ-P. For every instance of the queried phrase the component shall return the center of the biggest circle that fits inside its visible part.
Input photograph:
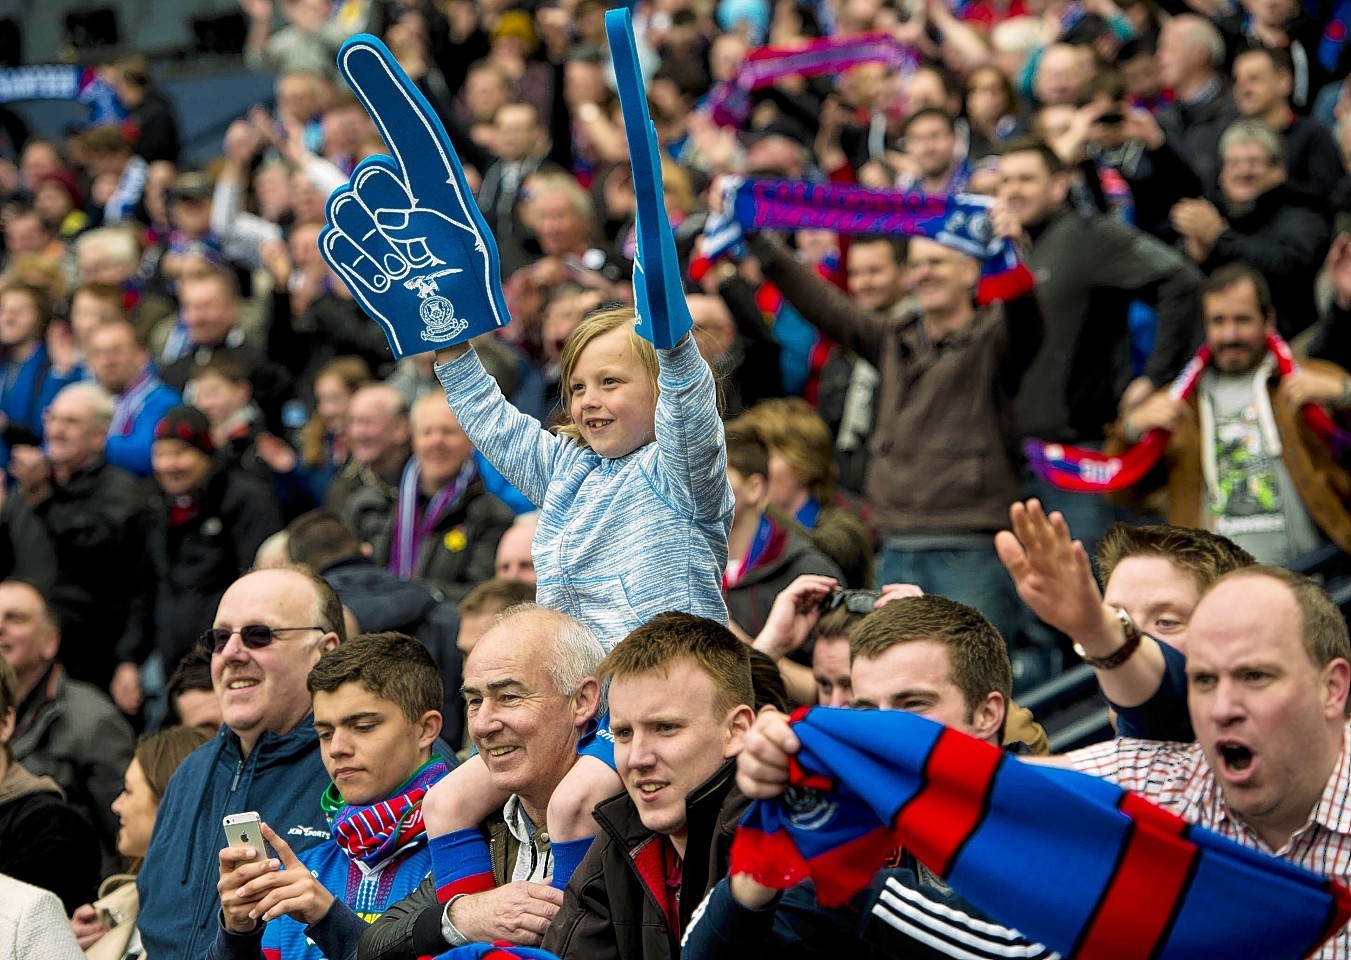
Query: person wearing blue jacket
(377, 702)
(121, 365)
(270, 629)
(32, 377)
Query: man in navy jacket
(265, 757)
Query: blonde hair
(593, 325)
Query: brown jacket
(1324, 487)
(945, 454)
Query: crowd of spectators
(190, 393)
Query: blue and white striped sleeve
(692, 451)
(516, 444)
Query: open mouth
(1235, 757)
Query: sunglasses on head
(255, 636)
(855, 601)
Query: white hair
(100, 400)
(577, 652)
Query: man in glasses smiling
(270, 628)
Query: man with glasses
(270, 628)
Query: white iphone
(244, 830)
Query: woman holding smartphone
(156, 758)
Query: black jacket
(381, 602)
(1286, 242)
(71, 732)
(97, 524)
(44, 840)
(1194, 131)
(610, 911)
(461, 549)
(1088, 270)
(190, 565)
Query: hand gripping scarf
(1072, 861)
(374, 833)
(729, 102)
(1080, 470)
(961, 222)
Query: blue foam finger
(405, 233)
(663, 315)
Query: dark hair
(222, 365)
(1104, 83)
(838, 622)
(767, 682)
(392, 666)
(978, 659)
(192, 673)
(747, 452)
(900, 246)
(923, 112)
(319, 539)
(1232, 274)
(1280, 59)
(1052, 162)
(670, 638)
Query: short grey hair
(1206, 34)
(577, 652)
(100, 400)
(1250, 130)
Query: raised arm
(517, 445)
(690, 441)
(1053, 576)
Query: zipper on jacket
(239, 769)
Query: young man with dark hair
(377, 702)
(680, 703)
(1088, 271)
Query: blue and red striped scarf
(501, 950)
(961, 222)
(374, 833)
(729, 102)
(1072, 861)
(1083, 470)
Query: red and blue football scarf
(373, 833)
(1081, 470)
(729, 102)
(961, 222)
(500, 950)
(1072, 861)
